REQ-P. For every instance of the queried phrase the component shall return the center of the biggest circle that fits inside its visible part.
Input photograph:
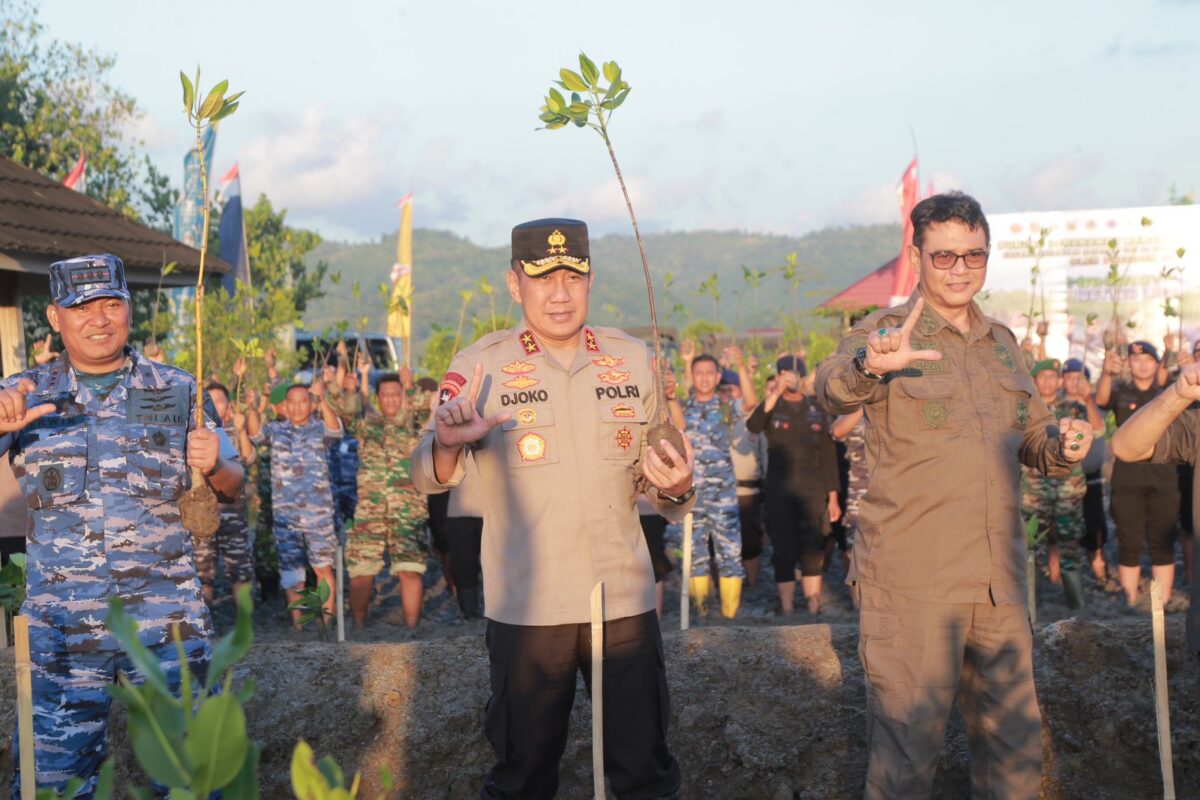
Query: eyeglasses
(947, 259)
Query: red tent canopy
(875, 290)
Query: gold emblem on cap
(557, 242)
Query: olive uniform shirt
(557, 478)
(941, 519)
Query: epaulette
(872, 320)
(489, 340)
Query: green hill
(446, 264)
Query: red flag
(905, 279)
(75, 178)
(232, 174)
(403, 201)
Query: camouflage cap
(78, 280)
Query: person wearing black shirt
(801, 498)
(1145, 496)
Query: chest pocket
(530, 437)
(156, 458)
(51, 467)
(925, 404)
(1017, 399)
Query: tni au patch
(935, 413)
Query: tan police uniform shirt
(941, 519)
(557, 479)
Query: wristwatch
(683, 498)
(860, 364)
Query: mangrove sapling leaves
(244, 786)
(124, 631)
(216, 742)
(233, 646)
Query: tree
(56, 98)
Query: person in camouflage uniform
(301, 498)
(1057, 503)
(232, 540)
(711, 425)
(852, 430)
(101, 441)
(391, 514)
(266, 554)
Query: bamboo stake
(598, 690)
(25, 707)
(341, 611)
(1161, 709)
(685, 606)
(1031, 582)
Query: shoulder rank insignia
(517, 368)
(452, 384)
(589, 341)
(608, 361)
(624, 411)
(613, 377)
(522, 382)
(531, 447)
(624, 439)
(1022, 413)
(529, 342)
(927, 324)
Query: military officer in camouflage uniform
(343, 454)
(100, 442)
(712, 424)
(1057, 503)
(301, 498)
(232, 540)
(391, 514)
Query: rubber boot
(468, 602)
(731, 596)
(698, 590)
(1072, 588)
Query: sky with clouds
(776, 117)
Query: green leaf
(244, 786)
(189, 92)
(159, 758)
(216, 742)
(548, 116)
(226, 111)
(612, 73)
(1180, 252)
(233, 646)
(553, 126)
(214, 100)
(555, 101)
(124, 631)
(572, 80)
(616, 101)
(104, 784)
(385, 778)
(590, 73)
(169, 268)
(332, 773)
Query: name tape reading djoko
(518, 398)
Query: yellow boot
(731, 596)
(698, 590)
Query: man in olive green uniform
(390, 516)
(554, 414)
(940, 559)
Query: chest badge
(613, 377)
(517, 367)
(522, 382)
(526, 416)
(452, 384)
(1004, 356)
(624, 439)
(624, 411)
(608, 361)
(1022, 413)
(52, 478)
(531, 447)
(935, 413)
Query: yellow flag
(399, 322)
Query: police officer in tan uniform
(553, 413)
(940, 559)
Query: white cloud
(1061, 182)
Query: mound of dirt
(766, 712)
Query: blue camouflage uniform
(343, 477)
(102, 477)
(710, 425)
(301, 497)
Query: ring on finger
(1075, 445)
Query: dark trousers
(797, 524)
(653, 528)
(1145, 517)
(750, 512)
(533, 672)
(1095, 522)
(464, 538)
(438, 504)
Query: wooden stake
(25, 707)
(1031, 581)
(685, 605)
(1161, 710)
(341, 611)
(598, 690)
(4, 630)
